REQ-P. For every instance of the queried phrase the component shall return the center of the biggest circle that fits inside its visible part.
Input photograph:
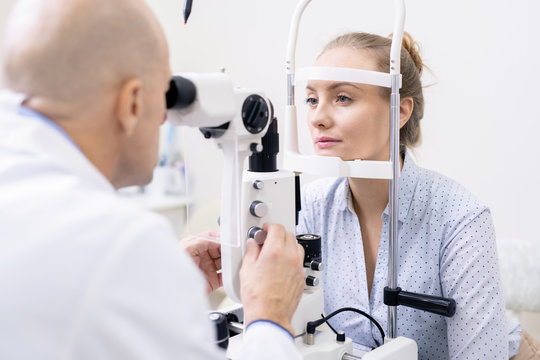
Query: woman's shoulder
(445, 195)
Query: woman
(446, 236)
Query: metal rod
(236, 327)
(393, 207)
(347, 356)
(290, 89)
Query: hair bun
(413, 49)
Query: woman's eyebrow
(340, 84)
(336, 85)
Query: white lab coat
(84, 274)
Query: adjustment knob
(258, 209)
(312, 248)
(222, 329)
(316, 265)
(255, 114)
(255, 148)
(257, 233)
(312, 281)
(258, 184)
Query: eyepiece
(181, 94)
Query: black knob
(433, 304)
(220, 321)
(316, 265)
(312, 248)
(255, 114)
(312, 281)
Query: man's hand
(207, 256)
(272, 277)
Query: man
(83, 274)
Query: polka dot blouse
(446, 248)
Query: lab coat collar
(25, 131)
(11, 98)
(407, 184)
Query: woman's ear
(129, 105)
(406, 106)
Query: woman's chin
(327, 152)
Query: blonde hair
(411, 72)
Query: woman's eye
(311, 101)
(343, 99)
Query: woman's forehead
(348, 57)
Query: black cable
(330, 326)
(313, 324)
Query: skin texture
(207, 256)
(353, 122)
(100, 70)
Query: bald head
(71, 50)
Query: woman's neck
(369, 196)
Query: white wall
(481, 125)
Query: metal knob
(222, 330)
(258, 209)
(316, 265)
(255, 148)
(312, 281)
(258, 184)
(257, 233)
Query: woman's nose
(321, 116)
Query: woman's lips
(324, 142)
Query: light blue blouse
(446, 248)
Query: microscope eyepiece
(181, 94)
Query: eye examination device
(242, 124)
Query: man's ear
(129, 105)
(406, 106)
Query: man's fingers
(208, 235)
(214, 251)
(220, 279)
(252, 251)
(300, 252)
(275, 233)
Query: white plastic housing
(327, 73)
(326, 347)
(214, 101)
(400, 348)
(277, 187)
